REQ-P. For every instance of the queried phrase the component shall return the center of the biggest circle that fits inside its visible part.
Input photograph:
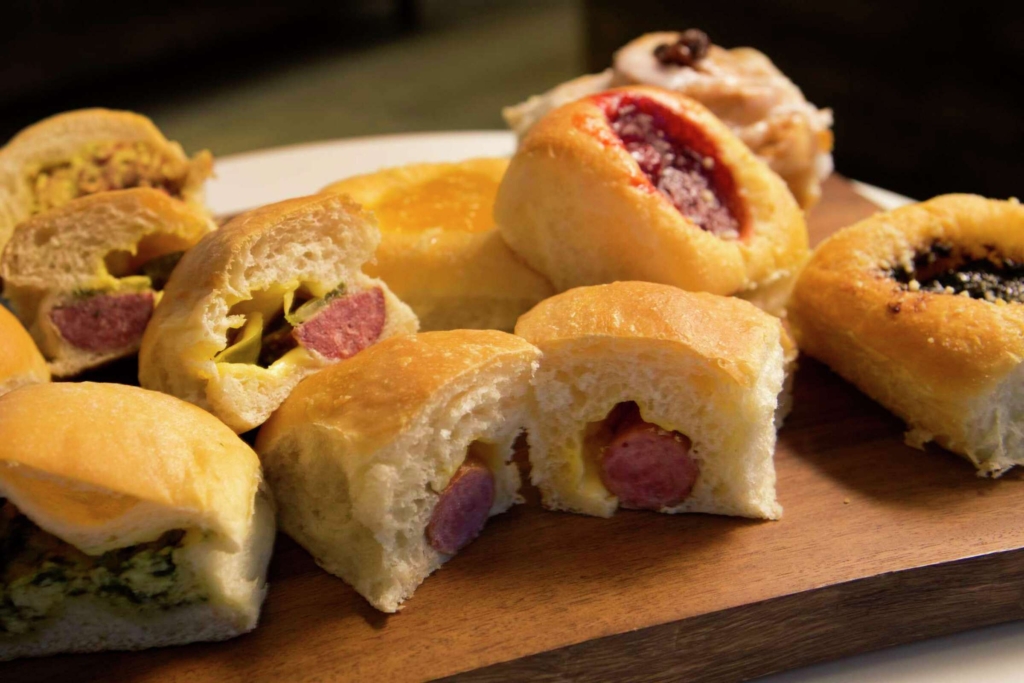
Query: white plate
(994, 655)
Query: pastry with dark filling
(85, 277)
(645, 184)
(921, 308)
(275, 295)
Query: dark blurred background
(925, 96)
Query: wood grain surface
(879, 545)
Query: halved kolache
(84, 278)
(649, 397)
(20, 360)
(128, 520)
(275, 295)
(385, 466)
(86, 151)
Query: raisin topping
(691, 47)
(684, 175)
(942, 269)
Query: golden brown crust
(729, 332)
(926, 356)
(443, 255)
(578, 208)
(20, 360)
(57, 139)
(105, 465)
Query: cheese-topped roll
(387, 465)
(84, 278)
(20, 360)
(275, 295)
(87, 151)
(922, 308)
(440, 252)
(128, 520)
(652, 398)
(639, 183)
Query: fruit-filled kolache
(440, 252)
(273, 296)
(85, 277)
(385, 466)
(154, 530)
(921, 309)
(640, 183)
(87, 151)
(652, 398)
(741, 86)
(20, 360)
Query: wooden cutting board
(879, 545)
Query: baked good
(922, 308)
(652, 398)
(92, 150)
(20, 360)
(275, 295)
(439, 251)
(640, 183)
(84, 277)
(385, 466)
(128, 520)
(741, 86)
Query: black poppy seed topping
(941, 270)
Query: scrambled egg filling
(107, 166)
(39, 572)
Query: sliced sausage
(462, 509)
(103, 323)
(647, 467)
(345, 326)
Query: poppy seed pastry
(82, 152)
(128, 520)
(741, 86)
(640, 183)
(84, 277)
(20, 360)
(385, 466)
(652, 398)
(440, 252)
(273, 296)
(922, 308)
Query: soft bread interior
(363, 519)
(731, 427)
(235, 583)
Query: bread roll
(20, 360)
(275, 295)
(922, 308)
(741, 86)
(385, 466)
(643, 184)
(440, 252)
(84, 277)
(653, 398)
(129, 520)
(92, 150)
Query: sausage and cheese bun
(275, 295)
(386, 466)
(741, 86)
(652, 398)
(84, 277)
(20, 360)
(922, 308)
(440, 252)
(87, 151)
(644, 184)
(128, 520)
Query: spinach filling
(38, 572)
